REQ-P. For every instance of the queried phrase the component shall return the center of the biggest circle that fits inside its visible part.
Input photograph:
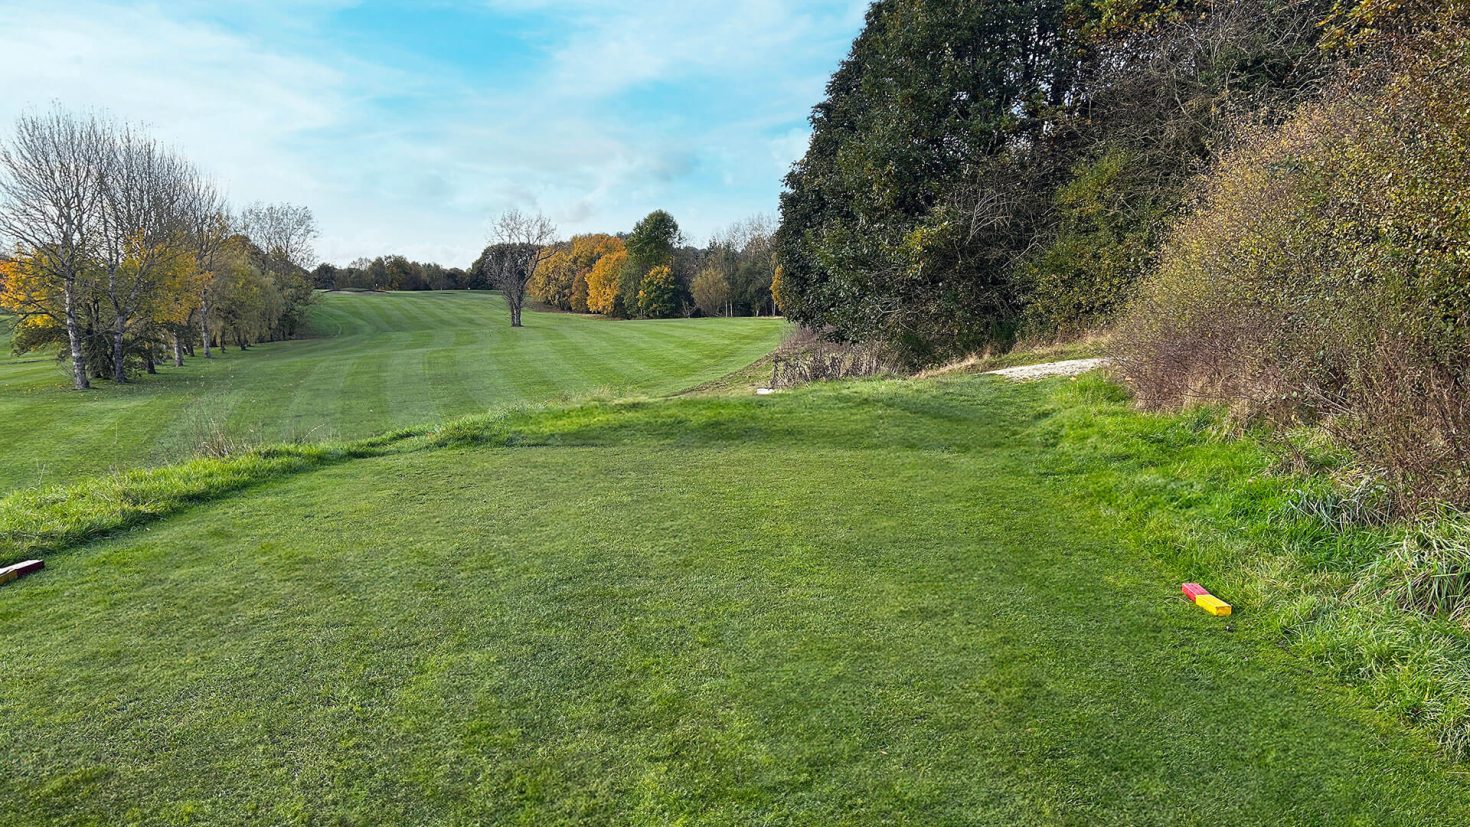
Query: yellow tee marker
(1213, 605)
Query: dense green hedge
(979, 170)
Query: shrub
(807, 357)
(1104, 241)
(1323, 275)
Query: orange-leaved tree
(552, 281)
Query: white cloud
(414, 157)
(791, 147)
(614, 46)
(234, 105)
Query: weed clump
(1428, 572)
(807, 357)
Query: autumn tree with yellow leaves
(116, 250)
(603, 282)
(33, 299)
(561, 280)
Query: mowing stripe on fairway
(377, 361)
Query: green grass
(916, 602)
(376, 362)
(1229, 510)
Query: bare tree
(50, 206)
(755, 231)
(520, 243)
(207, 225)
(283, 232)
(142, 229)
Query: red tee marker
(1194, 591)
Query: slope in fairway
(376, 362)
(851, 604)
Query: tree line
(652, 273)
(395, 272)
(123, 254)
(1265, 202)
(980, 171)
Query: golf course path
(1071, 367)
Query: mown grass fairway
(863, 603)
(375, 362)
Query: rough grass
(376, 362)
(39, 521)
(1379, 606)
(923, 602)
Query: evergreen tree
(652, 243)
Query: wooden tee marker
(1201, 597)
(1194, 590)
(20, 570)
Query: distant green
(908, 602)
(374, 362)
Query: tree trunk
(178, 351)
(204, 326)
(148, 360)
(119, 372)
(74, 340)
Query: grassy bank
(1377, 605)
(375, 362)
(937, 601)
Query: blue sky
(405, 126)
